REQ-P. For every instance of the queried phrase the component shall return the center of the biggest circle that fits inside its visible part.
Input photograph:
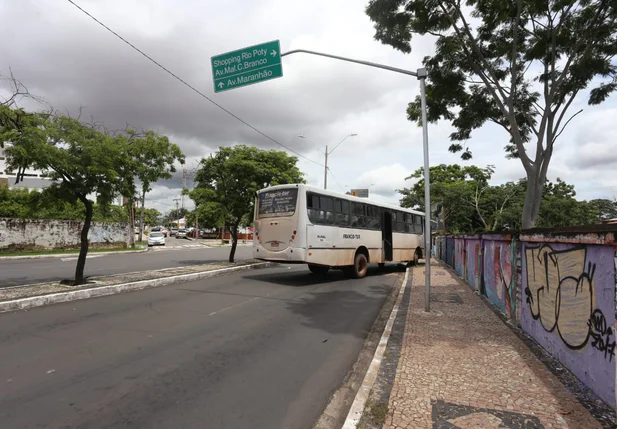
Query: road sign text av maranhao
(246, 66)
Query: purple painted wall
(568, 307)
(498, 274)
(472, 261)
(459, 255)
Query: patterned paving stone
(461, 367)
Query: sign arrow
(273, 53)
(221, 84)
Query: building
(33, 179)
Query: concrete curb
(359, 403)
(65, 255)
(55, 298)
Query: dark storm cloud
(73, 62)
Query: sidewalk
(461, 366)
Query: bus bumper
(291, 254)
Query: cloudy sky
(65, 57)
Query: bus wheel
(360, 266)
(416, 258)
(319, 269)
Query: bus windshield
(278, 203)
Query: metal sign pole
(427, 195)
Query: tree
(606, 209)
(468, 204)
(228, 181)
(154, 156)
(150, 216)
(80, 160)
(487, 72)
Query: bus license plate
(275, 244)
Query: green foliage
(605, 208)
(227, 183)
(152, 217)
(490, 54)
(467, 203)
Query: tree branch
(579, 42)
(564, 125)
(513, 65)
(514, 131)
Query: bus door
(386, 235)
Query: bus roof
(340, 195)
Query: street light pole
(325, 173)
(427, 195)
(421, 74)
(326, 153)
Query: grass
(379, 411)
(69, 251)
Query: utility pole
(325, 175)
(177, 213)
(183, 184)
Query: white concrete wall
(18, 234)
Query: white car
(156, 239)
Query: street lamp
(326, 153)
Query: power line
(189, 85)
(336, 180)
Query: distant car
(156, 238)
(181, 233)
(173, 231)
(159, 229)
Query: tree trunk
(131, 224)
(142, 216)
(234, 242)
(83, 248)
(533, 197)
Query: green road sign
(247, 66)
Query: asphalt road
(14, 272)
(259, 349)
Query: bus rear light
(291, 251)
(310, 253)
(293, 237)
(294, 233)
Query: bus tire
(360, 266)
(416, 258)
(321, 270)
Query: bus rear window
(278, 203)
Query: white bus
(302, 224)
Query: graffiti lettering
(559, 293)
(601, 334)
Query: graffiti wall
(19, 234)
(450, 251)
(568, 307)
(499, 276)
(459, 256)
(472, 262)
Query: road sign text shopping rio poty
(247, 66)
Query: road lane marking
(74, 258)
(359, 403)
(232, 306)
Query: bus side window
(400, 222)
(374, 218)
(341, 207)
(312, 202)
(357, 215)
(326, 212)
(417, 227)
(408, 223)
